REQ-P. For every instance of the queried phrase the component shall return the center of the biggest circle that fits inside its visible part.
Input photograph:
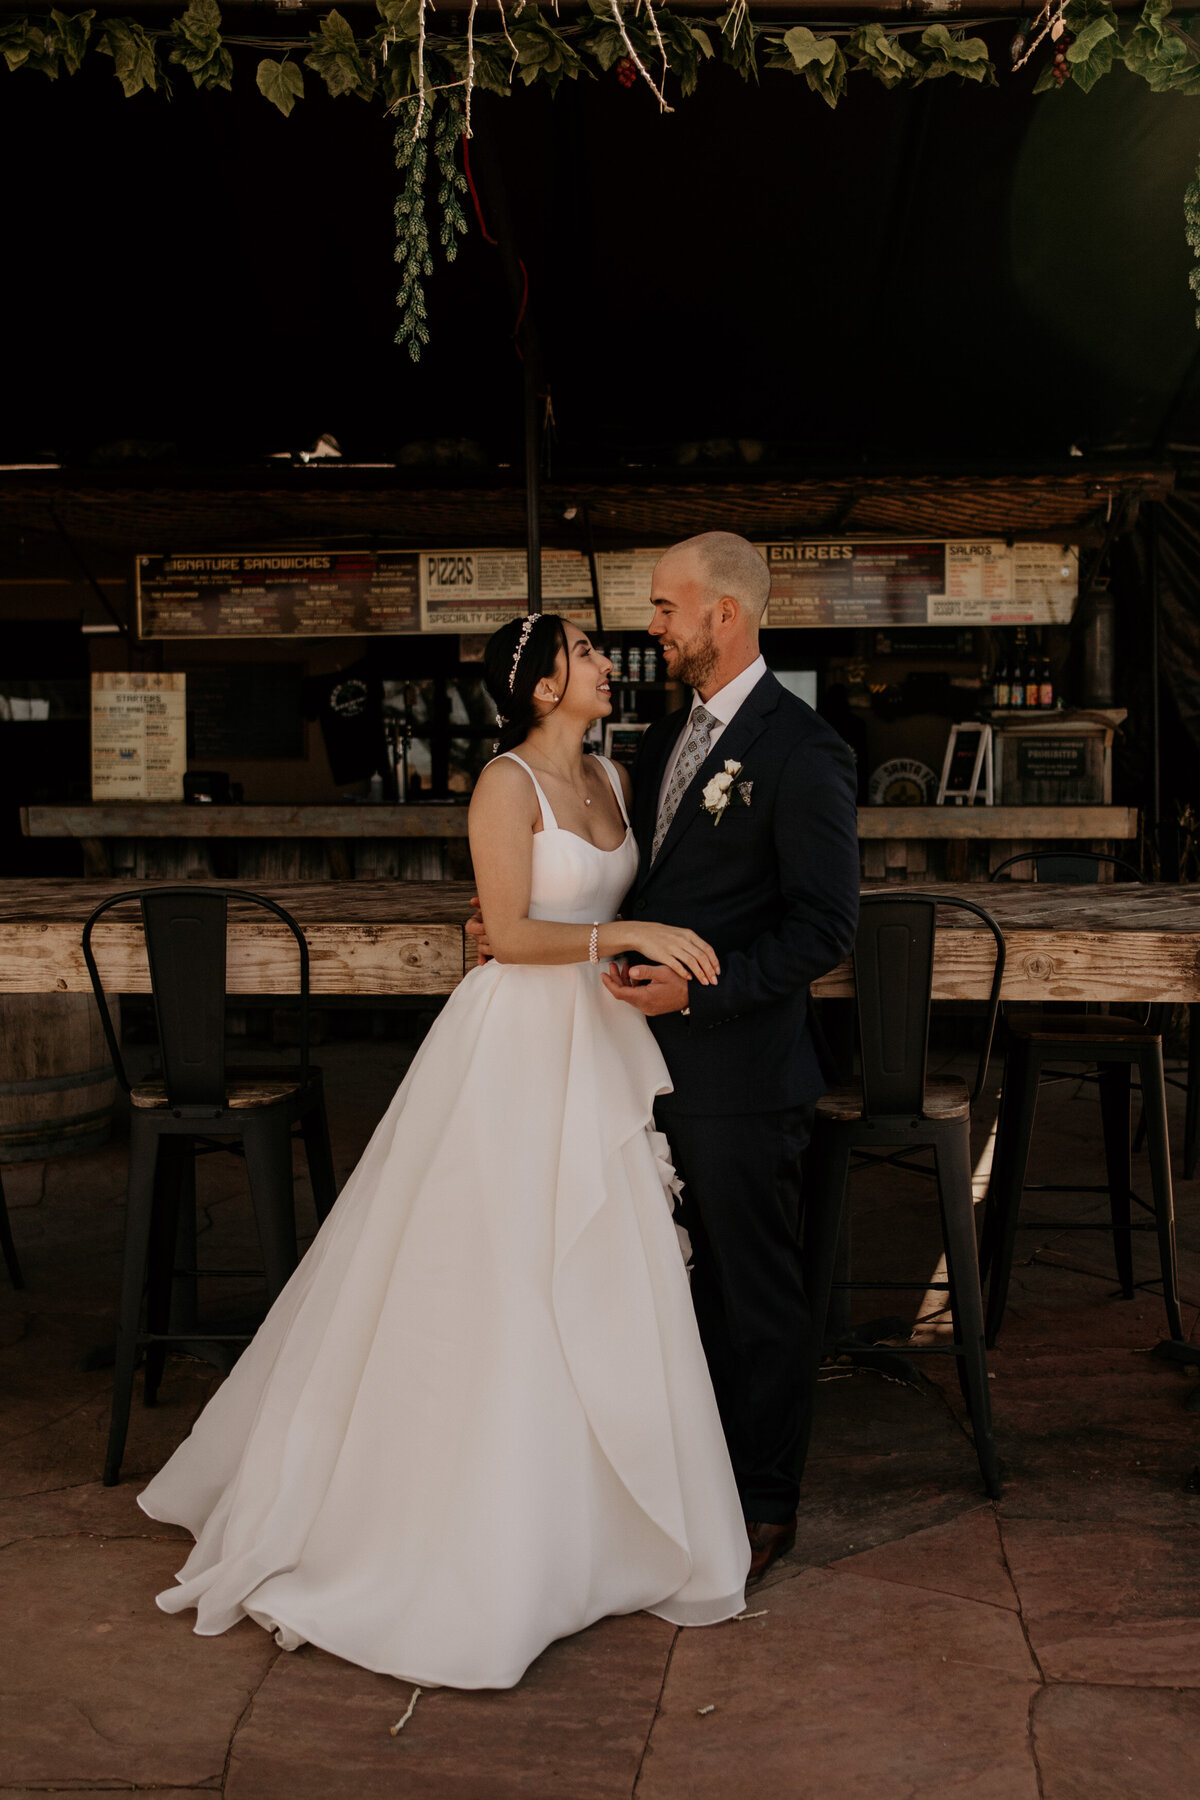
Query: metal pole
(1156, 756)
(533, 493)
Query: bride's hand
(679, 949)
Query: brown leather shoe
(767, 1544)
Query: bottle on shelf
(650, 664)
(633, 663)
(1033, 685)
(1016, 696)
(617, 658)
(1001, 689)
(1045, 684)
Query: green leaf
(948, 53)
(404, 16)
(132, 53)
(1045, 80)
(819, 60)
(492, 64)
(72, 31)
(542, 53)
(25, 45)
(604, 42)
(1158, 55)
(870, 48)
(739, 44)
(197, 47)
(282, 83)
(337, 59)
(1091, 35)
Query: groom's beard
(699, 659)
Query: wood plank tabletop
(158, 819)
(1076, 943)
(364, 937)
(170, 819)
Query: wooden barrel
(57, 1086)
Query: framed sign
(278, 593)
(139, 736)
(911, 582)
(622, 742)
(480, 590)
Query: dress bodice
(574, 881)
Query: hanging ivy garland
(427, 79)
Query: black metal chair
(6, 1243)
(198, 1105)
(893, 1106)
(1037, 1041)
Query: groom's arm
(816, 839)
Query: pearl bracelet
(594, 944)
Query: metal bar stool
(1037, 1041)
(896, 1105)
(197, 1105)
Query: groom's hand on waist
(477, 932)
(647, 986)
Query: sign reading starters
(920, 582)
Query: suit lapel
(747, 724)
(649, 781)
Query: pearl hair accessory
(526, 628)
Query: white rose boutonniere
(724, 790)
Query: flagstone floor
(919, 1641)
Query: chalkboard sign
(967, 767)
(962, 763)
(244, 712)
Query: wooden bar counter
(1111, 942)
(150, 841)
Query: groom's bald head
(725, 566)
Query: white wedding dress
(478, 1418)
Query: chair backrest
(893, 984)
(1068, 865)
(185, 932)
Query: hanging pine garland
(428, 79)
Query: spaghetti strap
(610, 769)
(549, 822)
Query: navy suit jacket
(773, 887)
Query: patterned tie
(695, 749)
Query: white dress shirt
(722, 705)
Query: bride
(478, 1418)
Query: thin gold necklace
(549, 769)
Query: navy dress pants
(741, 1205)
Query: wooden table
(364, 937)
(387, 937)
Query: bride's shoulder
(503, 786)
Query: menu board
(814, 582)
(625, 578)
(278, 593)
(479, 590)
(929, 582)
(1007, 584)
(139, 736)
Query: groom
(765, 868)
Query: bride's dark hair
(538, 658)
